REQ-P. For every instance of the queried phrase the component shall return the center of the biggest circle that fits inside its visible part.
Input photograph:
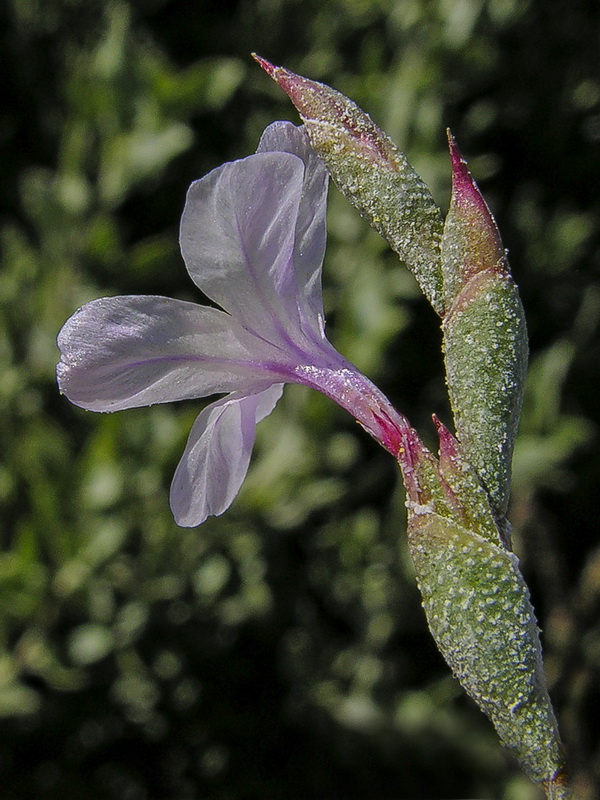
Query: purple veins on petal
(310, 238)
(125, 352)
(217, 454)
(253, 240)
(237, 239)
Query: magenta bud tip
(448, 443)
(266, 65)
(458, 162)
(463, 183)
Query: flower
(253, 240)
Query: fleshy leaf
(485, 336)
(478, 607)
(480, 615)
(373, 174)
(471, 241)
(468, 499)
(217, 454)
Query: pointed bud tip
(462, 181)
(448, 444)
(470, 204)
(437, 422)
(291, 83)
(264, 64)
(455, 155)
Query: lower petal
(217, 454)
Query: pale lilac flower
(253, 240)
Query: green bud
(477, 605)
(469, 500)
(471, 240)
(485, 336)
(480, 615)
(373, 174)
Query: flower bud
(464, 490)
(480, 615)
(485, 336)
(478, 608)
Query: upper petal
(238, 234)
(217, 454)
(309, 245)
(123, 352)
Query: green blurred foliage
(280, 650)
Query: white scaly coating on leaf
(480, 615)
(485, 349)
(389, 194)
(485, 335)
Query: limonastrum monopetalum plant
(253, 240)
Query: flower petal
(123, 352)
(237, 239)
(309, 246)
(217, 454)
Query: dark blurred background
(280, 650)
